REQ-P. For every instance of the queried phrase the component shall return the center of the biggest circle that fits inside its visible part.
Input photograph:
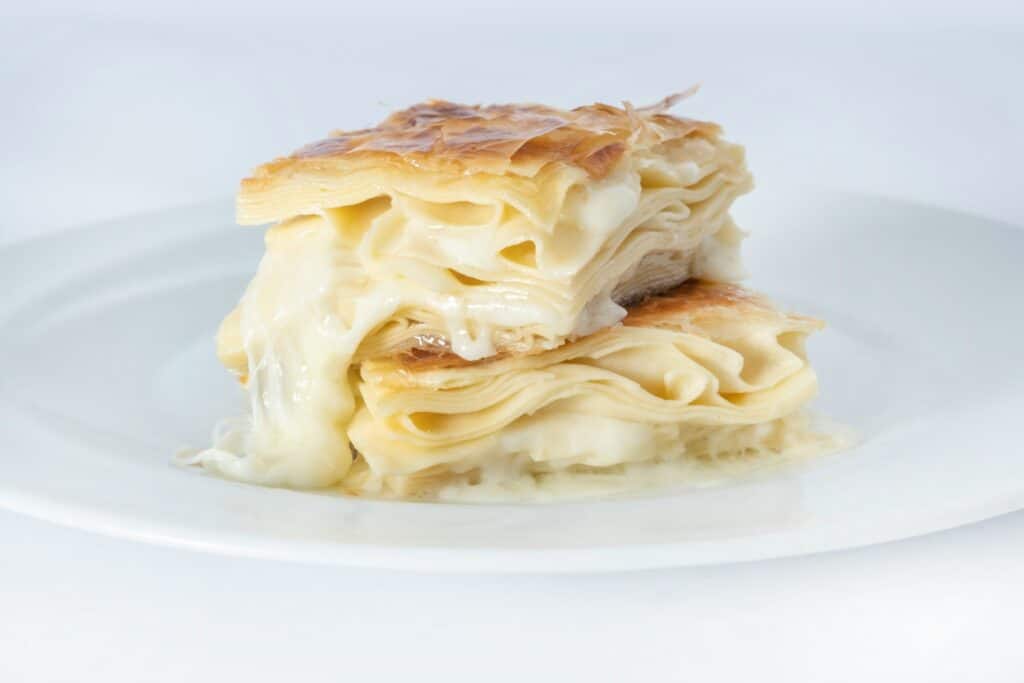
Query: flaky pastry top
(519, 139)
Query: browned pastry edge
(685, 300)
(688, 298)
(439, 135)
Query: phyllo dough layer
(704, 371)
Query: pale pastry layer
(689, 382)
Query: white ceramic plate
(107, 368)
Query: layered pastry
(704, 371)
(467, 295)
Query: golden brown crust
(444, 136)
(687, 302)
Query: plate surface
(107, 368)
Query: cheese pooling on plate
(491, 296)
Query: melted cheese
(297, 351)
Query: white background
(131, 107)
